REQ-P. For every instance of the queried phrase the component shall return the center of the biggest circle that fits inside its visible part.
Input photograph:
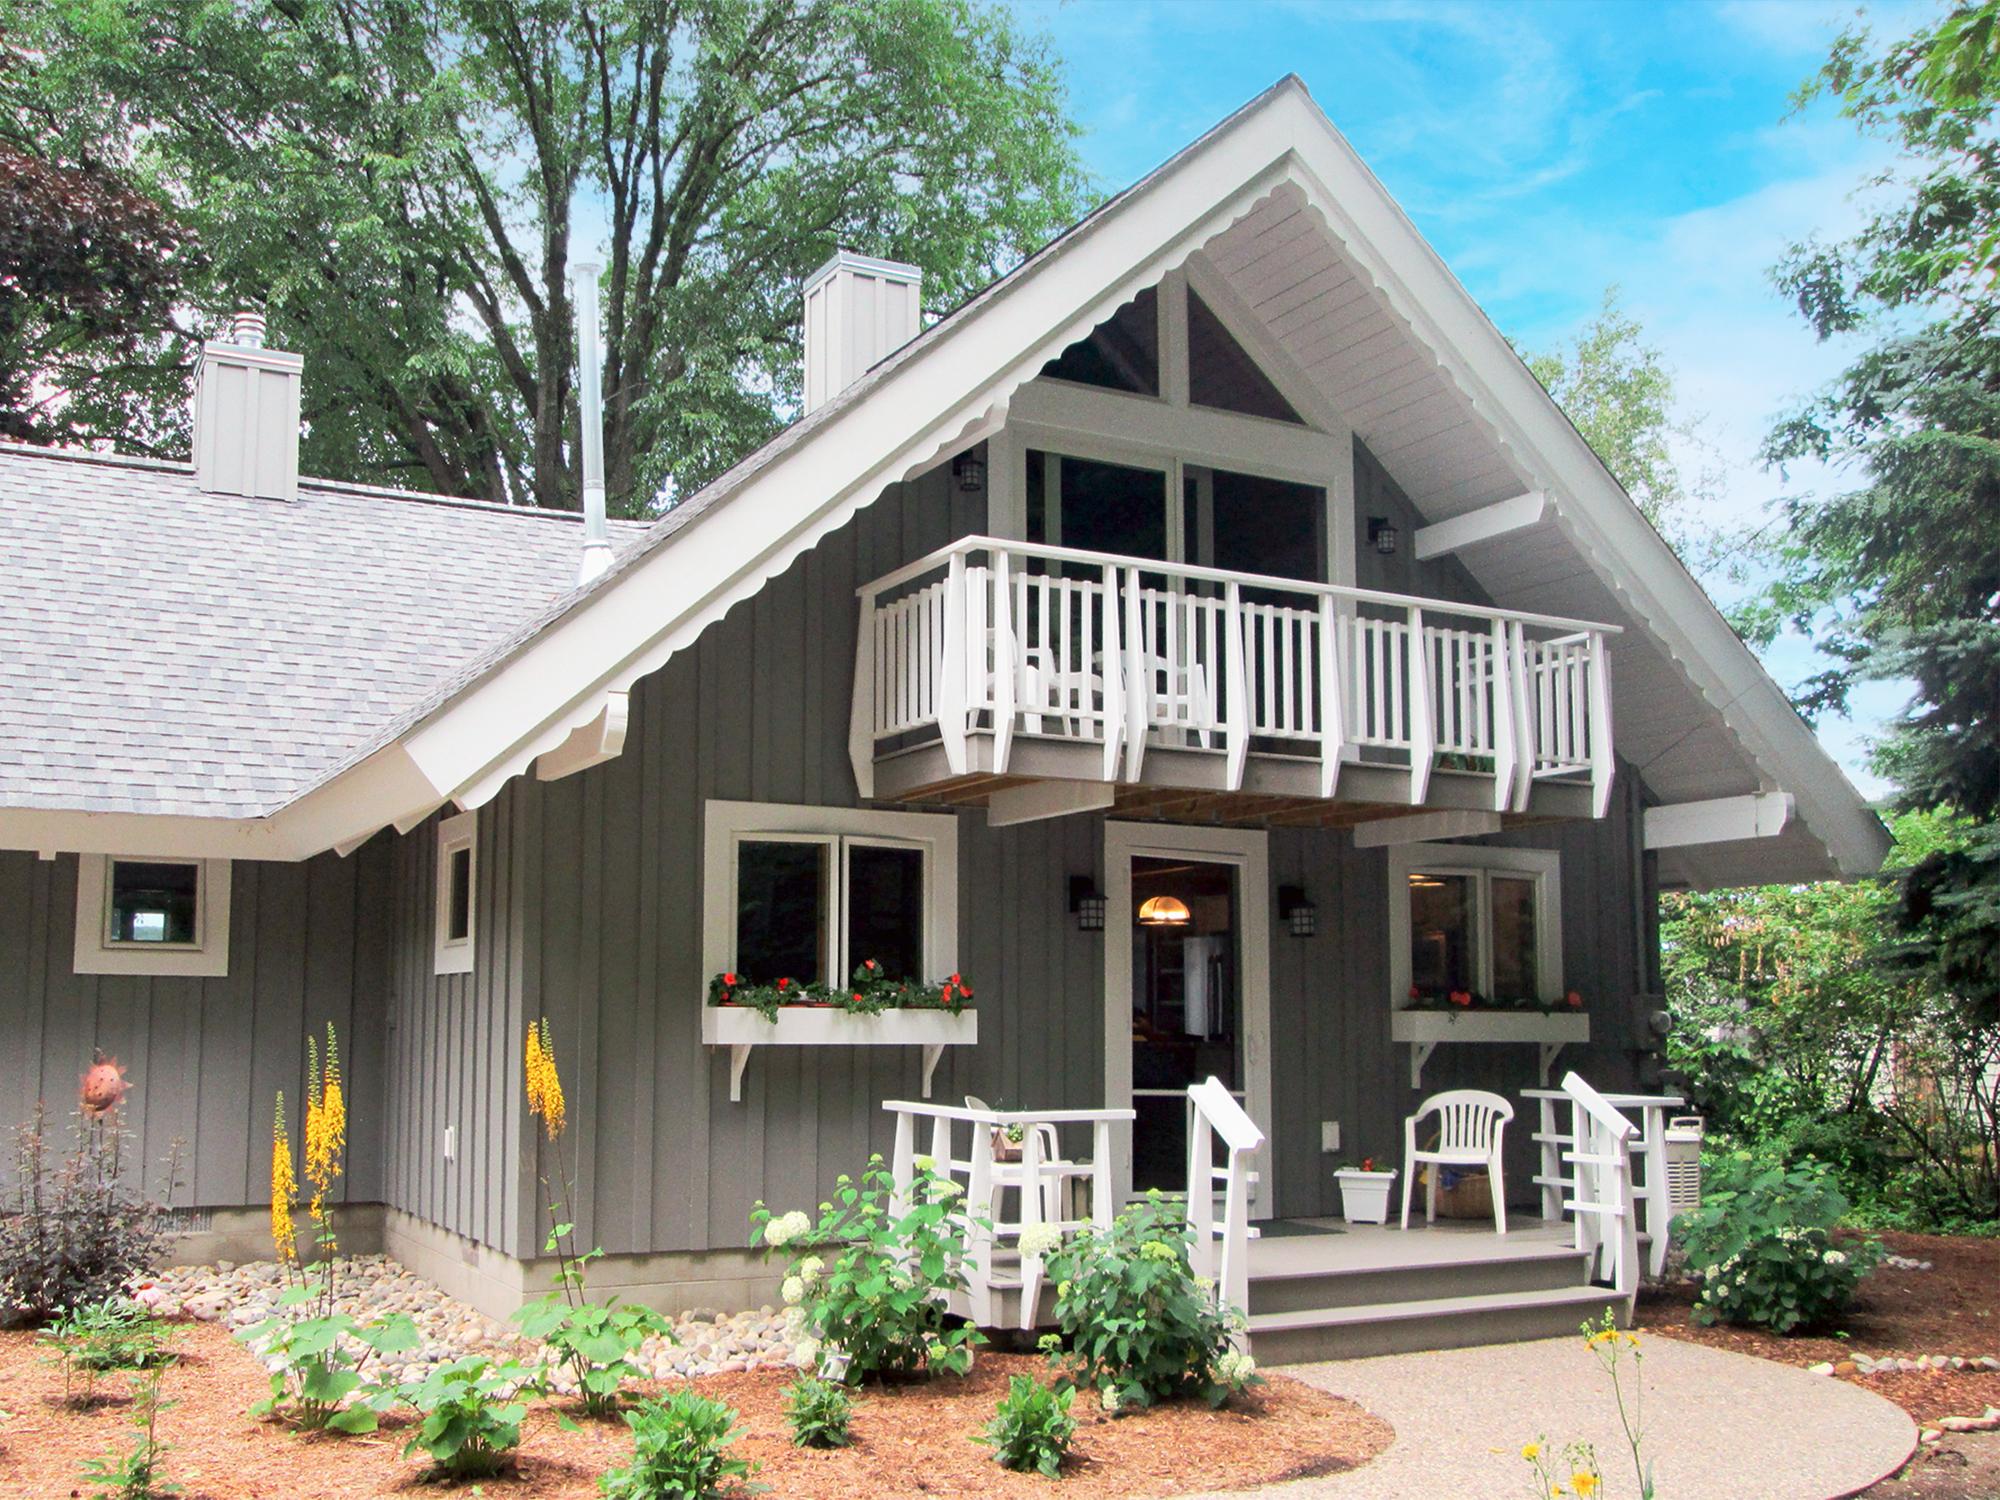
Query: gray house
(1210, 641)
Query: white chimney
(859, 311)
(246, 416)
(590, 417)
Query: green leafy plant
(1760, 1245)
(471, 1415)
(873, 1275)
(595, 1341)
(819, 1412)
(1611, 1347)
(1031, 1428)
(1137, 1323)
(680, 1451)
(321, 1361)
(136, 1474)
(98, 1336)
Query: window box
(740, 1029)
(1551, 1031)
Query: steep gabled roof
(1275, 206)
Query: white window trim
(727, 824)
(206, 957)
(1543, 866)
(454, 955)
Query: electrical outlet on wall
(1329, 1135)
(451, 1143)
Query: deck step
(1425, 1277)
(1400, 1327)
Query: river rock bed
(238, 1296)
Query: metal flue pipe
(596, 536)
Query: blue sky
(1548, 151)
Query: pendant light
(1164, 911)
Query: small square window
(1443, 947)
(1476, 920)
(457, 893)
(782, 894)
(885, 909)
(151, 915)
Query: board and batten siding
(206, 1056)
(589, 912)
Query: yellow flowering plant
(595, 1341)
(1574, 1469)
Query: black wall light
(1383, 535)
(1086, 902)
(970, 470)
(1298, 912)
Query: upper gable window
(152, 916)
(1120, 354)
(1222, 375)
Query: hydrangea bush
(1761, 1249)
(1136, 1322)
(868, 1282)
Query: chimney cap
(888, 270)
(247, 328)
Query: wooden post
(861, 712)
(951, 705)
(1602, 765)
(1332, 711)
(1003, 663)
(1112, 687)
(1138, 677)
(1236, 732)
(1423, 733)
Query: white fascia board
(1720, 820)
(915, 413)
(1040, 800)
(1488, 523)
(1617, 541)
(1422, 828)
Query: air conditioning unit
(1682, 1139)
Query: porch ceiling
(1378, 370)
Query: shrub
(1138, 1323)
(872, 1283)
(680, 1451)
(100, 1336)
(1031, 1428)
(819, 1412)
(136, 1473)
(471, 1415)
(74, 1231)
(1760, 1245)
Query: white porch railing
(1607, 1220)
(1221, 1244)
(960, 1147)
(1648, 1151)
(1014, 639)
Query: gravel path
(1720, 1426)
(373, 1286)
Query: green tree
(410, 183)
(1900, 578)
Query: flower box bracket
(742, 1030)
(1549, 1031)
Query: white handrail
(1221, 1251)
(1607, 1218)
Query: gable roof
(175, 652)
(1275, 212)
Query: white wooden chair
(1471, 1126)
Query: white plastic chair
(1471, 1125)
(1014, 1174)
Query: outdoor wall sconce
(1383, 535)
(1300, 913)
(1086, 904)
(969, 469)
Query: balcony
(989, 665)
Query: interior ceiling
(1375, 370)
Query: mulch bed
(912, 1440)
(1953, 1308)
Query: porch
(1040, 680)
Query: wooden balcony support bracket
(1138, 683)
(861, 713)
(956, 651)
(1602, 766)
(1116, 728)
(1236, 731)
(1522, 695)
(1506, 748)
(1423, 731)
(1005, 664)
(1488, 523)
(1332, 714)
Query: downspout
(596, 536)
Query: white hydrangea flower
(924, 1163)
(1835, 1258)
(1204, 1284)
(793, 1290)
(1041, 1239)
(786, 1228)
(944, 1188)
(1235, 1367)
(810, 1268)
(1108, 1398)
(805, 1353)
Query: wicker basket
(1464, 1193)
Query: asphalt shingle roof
(163, 650)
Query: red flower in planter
(784, 984)
(730, 980)
(1367, 1163)
(1415, 993)
(1573, 1000)
(1461, 997)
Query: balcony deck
(1178, 691)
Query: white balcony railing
(1010, 638)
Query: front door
(1187, 987)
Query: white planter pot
(1364, 1196)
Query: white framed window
(457, 893)
(1472, 918)
(809, 893)
(152, 914)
